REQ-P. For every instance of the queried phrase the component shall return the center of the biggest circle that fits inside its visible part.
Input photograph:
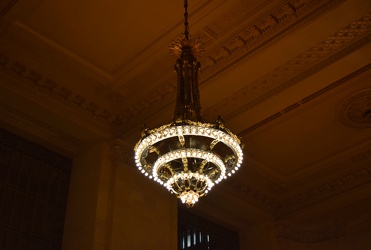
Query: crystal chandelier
(188, 155)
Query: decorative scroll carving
(331, 188)
(361, 157)
(355, 111)
(267, 201)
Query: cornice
(261, 199)
(306, 100)
(255, 37)
(335, 47)
(31, 125)
(233, 16)
(51, 89)
(359, 177)
(311, 196)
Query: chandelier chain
(186, 28)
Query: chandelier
(188, 155)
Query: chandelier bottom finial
(189, 198)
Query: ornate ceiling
(291, 77)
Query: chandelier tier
(188, 155)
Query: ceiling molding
(280, 207)
(327, 190)
(51, 89)
(32, 126)
(328, 51)
(265, 201)
(304, 101)
(255, 37)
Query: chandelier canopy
(188, 155)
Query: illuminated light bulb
(177, 156)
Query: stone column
(89, 207)
(144, 212)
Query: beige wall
(112, 206)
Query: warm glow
(188, 156)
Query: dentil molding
(326, 52)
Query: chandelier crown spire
(188, 156)
(186, 27)
(188, 106)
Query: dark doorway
(197, 233)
